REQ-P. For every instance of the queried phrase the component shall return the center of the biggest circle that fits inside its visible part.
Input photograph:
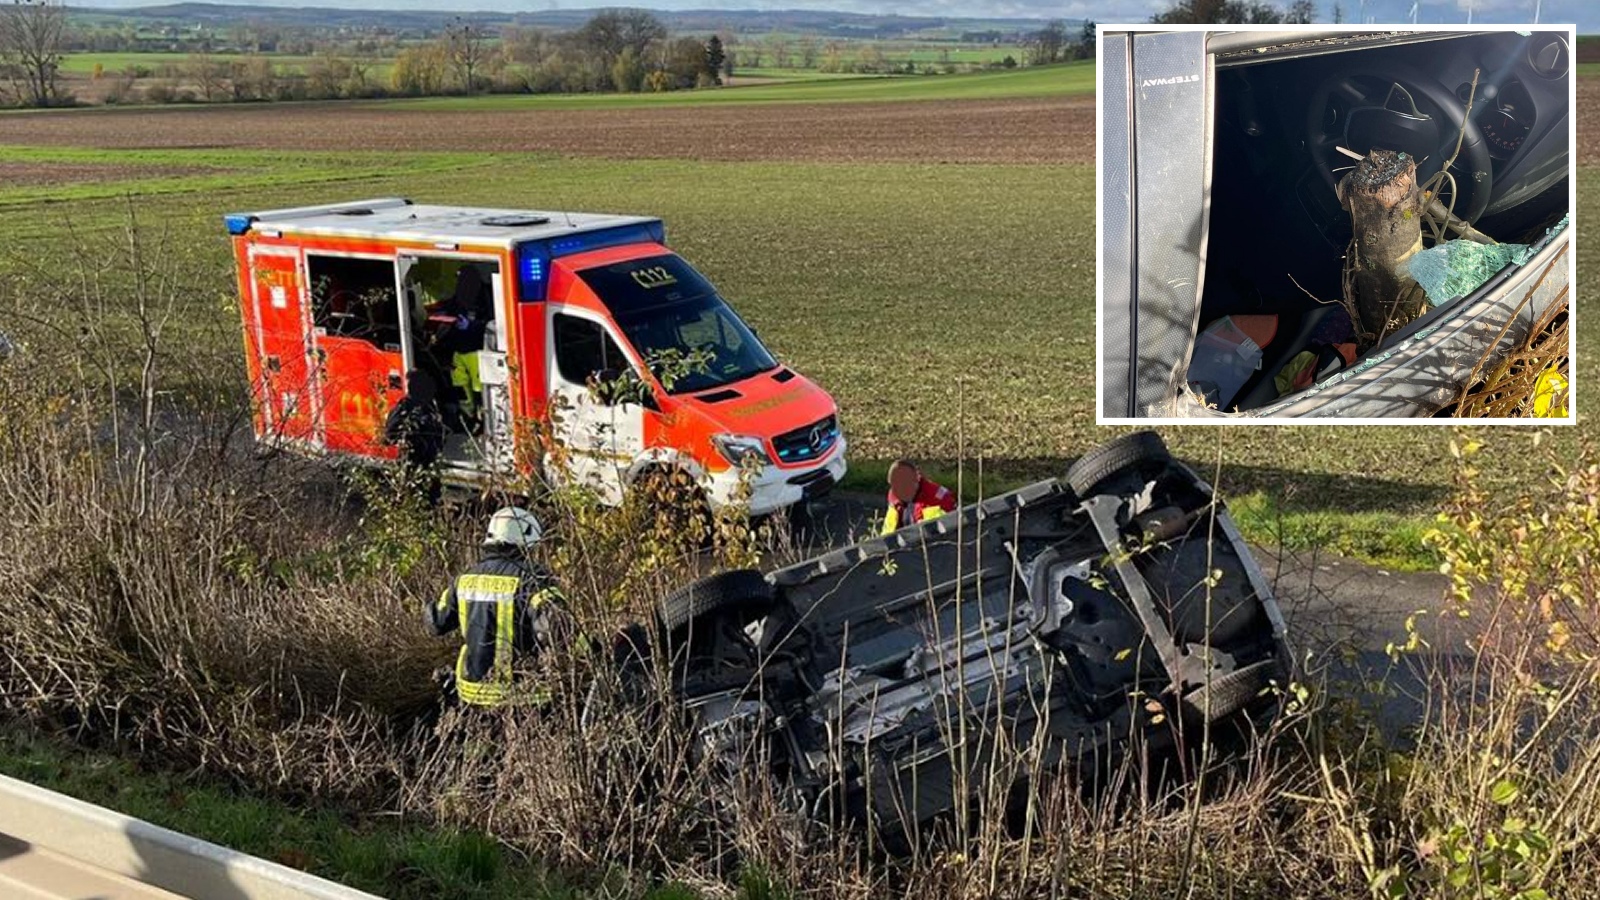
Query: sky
(1585, 13)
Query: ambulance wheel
(677, 505)
(743, 591)
(1142, 451)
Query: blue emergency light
(533, 257)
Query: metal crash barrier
(54, 845)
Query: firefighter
(913, 498)
(508, 609)
(415, 426)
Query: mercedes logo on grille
(816, 438)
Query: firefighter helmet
(514, 526)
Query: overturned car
(1072, 620)
(1323, 223)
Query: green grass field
(113, 63)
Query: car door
(1155, 122)
(286, 391)
(599, 438)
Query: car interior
(1285, 131)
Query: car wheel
(1231, 693)
(737, 590)
(1142, 450)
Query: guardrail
(100, 840)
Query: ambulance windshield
(672, 315)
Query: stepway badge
(1162, 82)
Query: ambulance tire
(740, 590)
(676, 501)
(1142, 451)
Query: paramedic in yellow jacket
(508, 608)
(913, 498)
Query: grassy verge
(1386, 539)
(389, 857)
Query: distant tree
(524, 46)
(208, 74)
(254, 78)
(32, 39)
(832, 57)
(1300, 12)
(418, 71)
(684, 61)
(870, 58)
(1048, 44)
(1087, 42)
(1220, 12)
(1338, 13)
(467, 48)
(326, 76)
(778, 47)
(808, 53)
(658, 81)
(614, 30)
(627, 73)
(715, 58)
(1010, 62)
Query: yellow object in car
(1550, 395)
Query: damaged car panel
(1311, 297)
(1070, 621)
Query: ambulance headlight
(742, 449)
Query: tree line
(616, 50)
(626, 50)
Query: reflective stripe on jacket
(506, 609)
(931, 501)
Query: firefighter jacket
(931, 501)
(507, 609)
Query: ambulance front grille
(807, 443)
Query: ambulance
(545, 333)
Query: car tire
(1231, 693)
(1142, 450)
(739, 589)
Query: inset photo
(1324, 223)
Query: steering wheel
(1396, 107)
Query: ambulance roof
(399, 219)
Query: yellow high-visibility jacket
(507, 609)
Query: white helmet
(514, 526)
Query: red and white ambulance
(521, 317)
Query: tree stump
(1385, 207)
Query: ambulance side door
(600, 439)
(287, 394)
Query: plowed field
(1049, 130)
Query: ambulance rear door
(286, 393)
(358, 347)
